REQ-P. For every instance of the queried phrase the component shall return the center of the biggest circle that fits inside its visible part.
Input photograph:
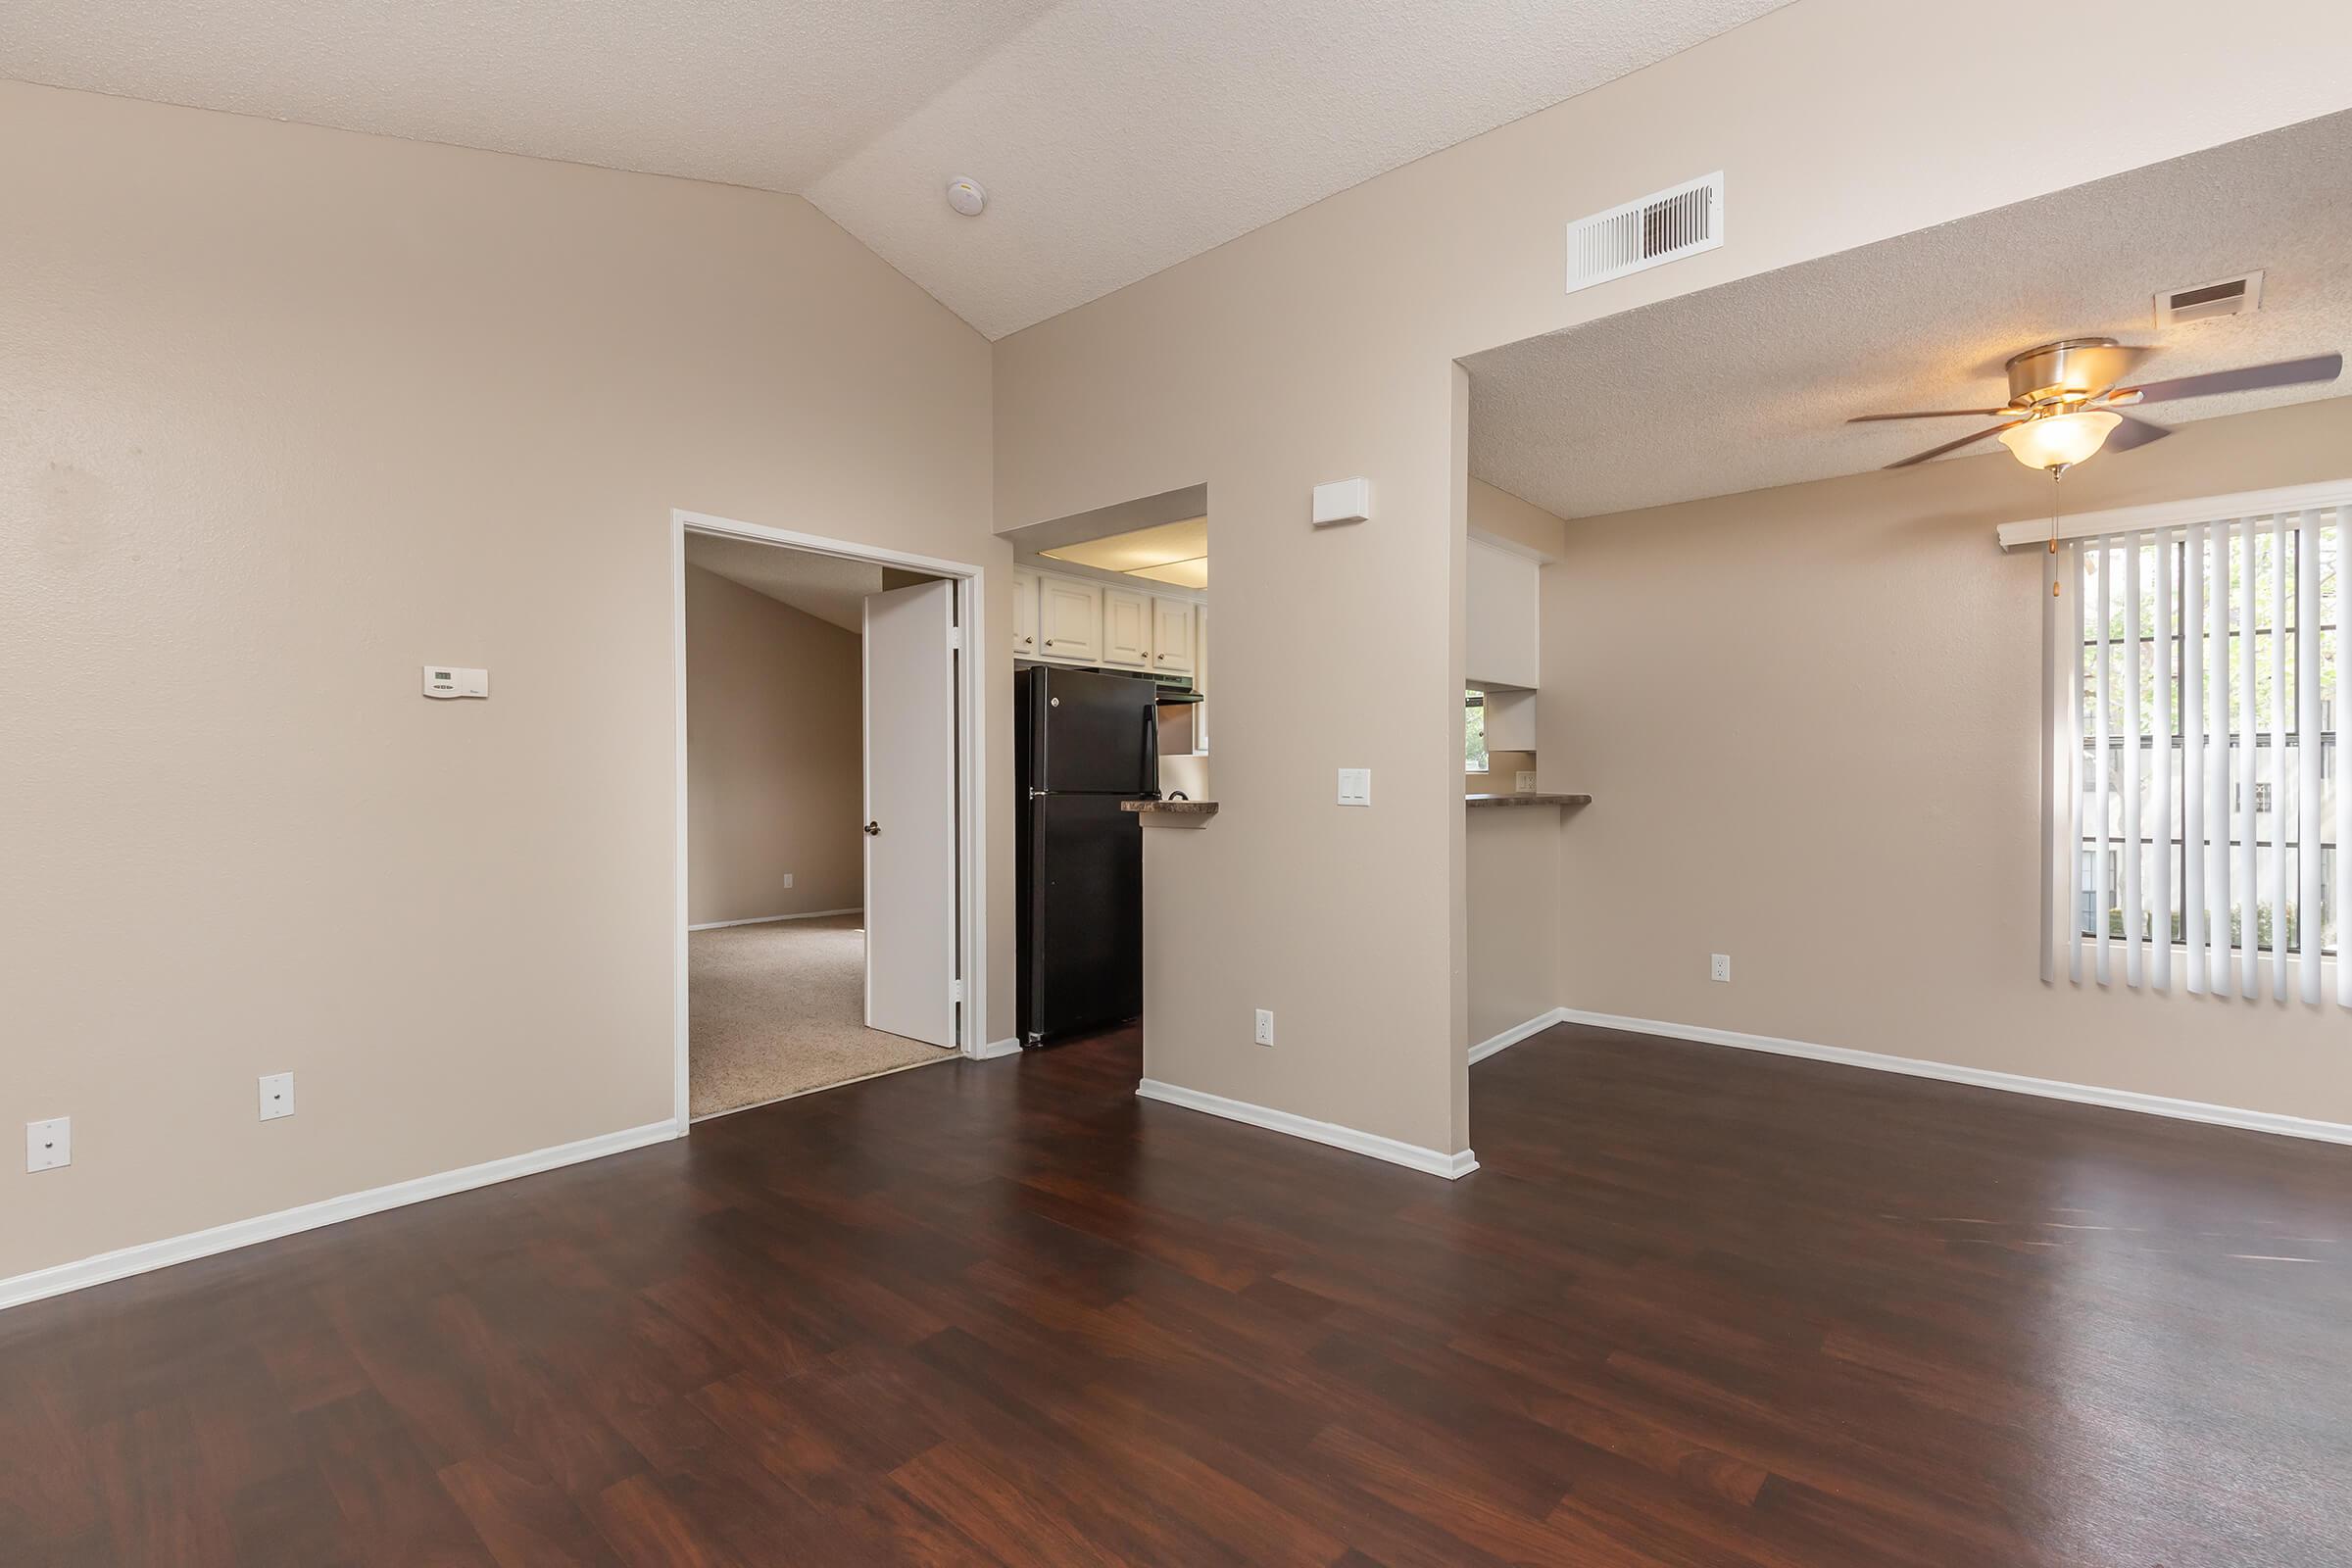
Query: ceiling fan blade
(2249, 378)
(1929, 413)
(1948, 446)
(2132, 433)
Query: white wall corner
(993, 1049)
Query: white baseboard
(149, 1255)
(1410, 1156)
(2261, 1121)
(1514, 1034)
(771, 920)
(995, 1049)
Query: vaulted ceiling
(1115, 137)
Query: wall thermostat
(448, 680)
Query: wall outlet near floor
(49, 1143)
(277, 1095)
(1721, 968)
(1265, 1027)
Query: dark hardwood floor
(1700, 1307)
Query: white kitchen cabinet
(1024, 614)
(1503, 604)
(1069, 620)
(1127, 629)
(1172, 639)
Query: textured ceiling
(1115, 137)
(1748, 385)
(829, 587)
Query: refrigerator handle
(1151, 749)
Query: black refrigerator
(1084, 744)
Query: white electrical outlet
(788, 879)
(1721, 968)
(49, 1143)
(1527, 782)
(277, 1095)
(1265, 1027)
(1355, 786)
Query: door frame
(972, 767)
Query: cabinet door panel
(1126, 628)
(1172, 640)
(1024, 614)
(1069, 613)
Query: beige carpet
(778, 1009)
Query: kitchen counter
(1192, 812)
(1527, 797)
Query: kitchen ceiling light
(2059, 440)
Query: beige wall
(775, 777)
(285, 412)
(1512, 882)
(1502, 774)
(1319, 347)
(1810, 720)
(1500, 514)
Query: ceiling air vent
(1661, 228)
(2233, 296)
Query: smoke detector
(2231, 296)
(966, 197)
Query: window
(1474, 732)
(2195, 714)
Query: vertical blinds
(2195, 807)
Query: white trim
(971, 741)
(2261, 1121)
(1410, 1156)
(993, 1049)
(1514, 1034)
(2254, 504)
(151, 1255)
(771, 920)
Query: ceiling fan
(2063, 397)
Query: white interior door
(910, 812)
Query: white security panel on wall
(449, 680)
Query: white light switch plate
(450, 680)
(1526, 784)
(1355, 786)
(277, 1095)
(49, 1143)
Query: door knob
(872, 828)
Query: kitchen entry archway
(969, 963)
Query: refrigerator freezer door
(1099, 733)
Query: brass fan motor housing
(2071, 371)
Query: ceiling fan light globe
(2059, 440)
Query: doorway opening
(829, 805)
(1110, 643)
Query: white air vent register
(1664, 226)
